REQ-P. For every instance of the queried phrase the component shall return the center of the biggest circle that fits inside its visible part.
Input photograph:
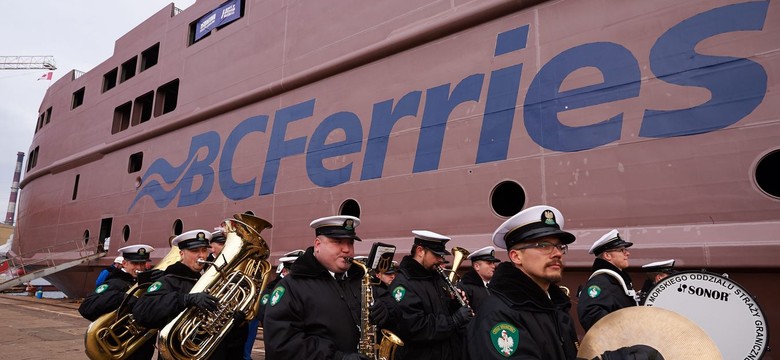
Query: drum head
(722, 308)
(671, 334)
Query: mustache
(554, 263)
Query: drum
(721, 307)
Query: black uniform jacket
(476, 291)
(164, 299)
(108, 296)
(265, 297)
(602, 294)
(311, 315)
(425, 310)
(536, 326)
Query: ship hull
(659, 120)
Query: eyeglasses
(546, 248)
(622, 250)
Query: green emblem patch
(594, 291)
(277, 295)
(101, 288)
(264, 299)
(505, 338)
(154, 287)
(398, 293)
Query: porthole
(766, 175)
(507, 198)
(126, 233)
(350, 207)
(86, 236)
(178, 227)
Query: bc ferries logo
(736, 87)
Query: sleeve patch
(277, 295)
(101, 288)
(505, 338)
(398, 293)
(154, 287)
(594, 291)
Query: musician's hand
(239, 316)
(353, 356)
(202, 300)
(636, 352)
(378, 313)
(463, 295)
(462, 316)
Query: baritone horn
(236, 278)
(116, 335)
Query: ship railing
(49, 256)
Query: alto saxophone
(367, 345)
(116, 335)
(237, 277)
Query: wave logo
(184, 174)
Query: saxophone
(367, 345)
(236, 278)
(116, 335)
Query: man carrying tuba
(314, 312)
(111, 294)
(170, 295)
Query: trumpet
(458, 254)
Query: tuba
(116, 335)
(236, 278)
(367, 344)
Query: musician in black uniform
(431, 322)
(216, 244)
(282, 270)
(314, 313)
(655, 272)
(113, 292)
(170, 295)
(526, 315)
(474, 282)
(609, 288)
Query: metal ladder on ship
(13, 278)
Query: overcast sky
(80, 34)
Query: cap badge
(505, 338)
(398, 293)
(349, 224)
(276, 296)
(142, 251)
(101, 288)
(594, 291)
(201, 236)
(548, 217)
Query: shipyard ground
(32, 328)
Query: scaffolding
(27, 62)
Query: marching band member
(527, 315)
(314, 313)
(655, 272)
(285, 262)
(475, 281)
(109, 296)
(609, 288)
(431, 323)
(170, 295)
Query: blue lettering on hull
(737, 87)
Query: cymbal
(673, 335)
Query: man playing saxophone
(111, 294)
(431, 322)
(170, 295)
(314, 313)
